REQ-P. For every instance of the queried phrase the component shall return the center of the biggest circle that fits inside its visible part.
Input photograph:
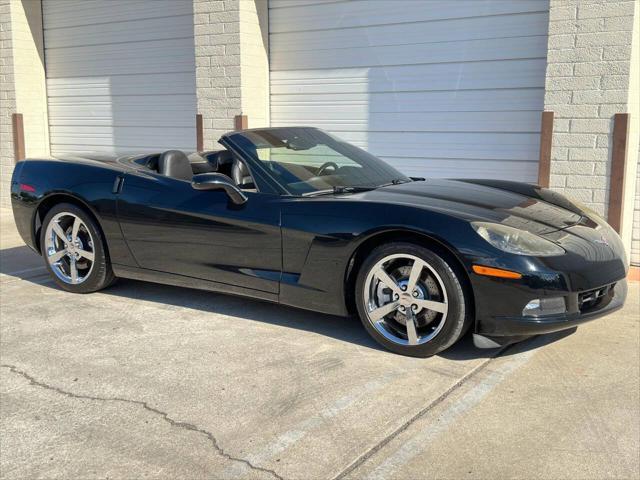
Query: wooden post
(546, 135)
(241, 122)
(199, 133)
(18, 137)
(618, 167)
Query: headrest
(175, 164)
(219, 158)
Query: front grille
(593, 298)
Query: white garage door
(439, 88)
(120, 75)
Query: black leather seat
(175, 164)
(240, 174)
(220, 161)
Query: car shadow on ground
(22, 263)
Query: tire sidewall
(101, 275)
(456, 321)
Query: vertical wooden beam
(241, 122)
(18, 137)
(546, 135)
(618, 167)
(199, 133)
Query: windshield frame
(234, 140)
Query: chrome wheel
(405, 299)
(69, 248)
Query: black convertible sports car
(297, 216)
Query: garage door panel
(419, 121)
(477, 28)
(461, 82)
(160, 84)
(72, 13)
(463, 51)
(287, 17)
(495, 146)
(120, 75)
(128, 111)
(438, 168)
(144, 30)
(125, 137)
(159, 56)
(517, 74)
(425, 101)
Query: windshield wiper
(338, 190)
(396, 181)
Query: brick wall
(254, 65)
(7, 102)
(232, 68)
(217, 44)
(588, 81)
(232, 73)
(23, 88)
(29, 75)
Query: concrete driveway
(150, 381)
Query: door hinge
(117, 184)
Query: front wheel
(410, 300)
(74, 251)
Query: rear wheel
(410, 300)
(74, 251)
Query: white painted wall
(437, 88)
(120, 75)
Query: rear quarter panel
(87, 183)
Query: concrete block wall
(217, 46)
(254, 64)
(29, 74)
(232, 69)
(22, 86)
(7, 101)
(589, 79)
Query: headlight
(513, 240)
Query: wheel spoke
(416, 270)
(56, 256)
(439, 307)
(412, 335)
(387, 280)
(74, 231)
(74, 270)
(58, 229)
(86, 254)
(380, 312)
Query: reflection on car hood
(515, 204)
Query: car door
(171, 227)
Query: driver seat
(240, 174)
(175, 164)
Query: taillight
(27, 188)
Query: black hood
(519, 205)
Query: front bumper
(521, 326)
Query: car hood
(519, 205)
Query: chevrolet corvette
(297, 216)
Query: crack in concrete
(165, 416)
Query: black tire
(458, 315)
(101, 274)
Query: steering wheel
(326, 165)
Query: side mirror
(218, 181)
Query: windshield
(309, 161)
